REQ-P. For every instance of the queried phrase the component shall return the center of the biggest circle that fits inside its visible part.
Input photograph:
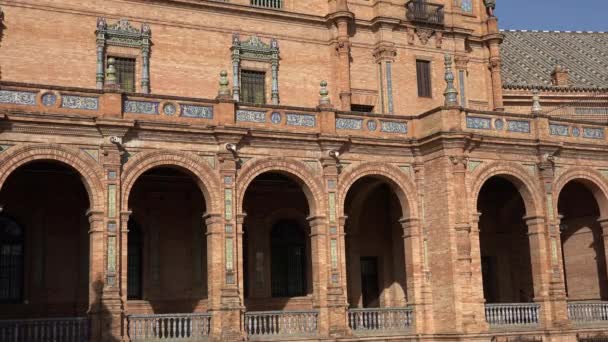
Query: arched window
(134, 262)
(288, 258)
(11, 261)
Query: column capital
(240, 218)
(603, 221)
(212, 218)
(95, 215)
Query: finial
(536, 107)
(490, 6)
(224, 90)
(111, 80)
(324, 100)
(451, 94)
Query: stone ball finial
(536, 107)
(324, 99)
(111, 72)
(224, 90)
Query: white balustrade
(380, 319)
(281, 323)
(169, 327)
(593, 312)
(70, 329)
(276, 4)
(525, 314)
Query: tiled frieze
(18, 97)
(304, 120)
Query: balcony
(260, 325)
(420, 11)
(513, 315)
(381, 320)
(588, 313)
(72, 329)
(169, 327)
(274, 4)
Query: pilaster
(541, 271)
(96, 273)
(414, 271)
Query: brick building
(192, 170)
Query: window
(288, 277)
(423, 75)
(361, 108)
(125, 73)
(253, 86)
(11, 261)
(277, 4)
(134, 262)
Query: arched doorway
(44, 230)
(583, 249)
(277, 252)
(167, 249)
(505, 247)
(375, 257)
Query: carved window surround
(254, 54)
(121, 37)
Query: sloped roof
(529, 57)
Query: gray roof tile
(529, 57)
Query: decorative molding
(349, 123)
(519, 126)
(304, 120)
(250, 116)
(79, 102)
(561, 130)
(424, 34)
(194, 111)
(141, 107)
(393, 127)
(593, 133)
(254, 49)
(18, 97)
(123, 34)
(475, 122)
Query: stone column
(541, 269)
(318, 252)
(477, 300)
(336, 265)
(101, 43)
(145, 70)
(603, 221)
(215, 270)
(494, 40)
(96, 272)
(385, 54)
(414, 270)
(341, 16)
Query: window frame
(263, 84)
(135, 60)
(425, 90)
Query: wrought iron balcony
(274, 4)
(420, 11)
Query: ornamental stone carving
(123, 34)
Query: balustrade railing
(169, 327)
(588, 312)
(71, 329)
(423, 12)
(380, 319)
(276, 4)
(281, 323)
(512, 314)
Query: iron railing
(281, 323)
(513, 314)
(380, 319)
(69, 329)
(421, 11)
(275, 4)
(588, 312)
(169, 327)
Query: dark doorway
(288, 257)
(369, 282)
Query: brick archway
(90, 172)
(204, 175)
(526, 184)
(403, 187)
(591, 179)
(293, 169)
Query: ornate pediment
(122, 33)
(255, 49)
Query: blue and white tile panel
(564, 130)
(498, 124)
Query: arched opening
(582, 244)
(375, 258)
(167, 247)
(505, 248)
(44, 252)
(277, 260)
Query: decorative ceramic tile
(112, 226)
(210, 160)
(348, 123)
(199, 112)
(576, 132)
(79, 102)
(250, 116)
(550, 206)
(519, 126)
(141, 107)
(18, 97)
(169, 109)
(372, 125)
(593, 133)
(93, 153)
(112, 200)
(332, 207)
(112, 175)
(49, 99)
(228, 180)
(112, 254)
(304, 120)
(478, 123)
(276, 118)
(334, 254)
(229, 254)
(228, 204)
(473, 164)
(331, 184)
(466, 6)
(393, 127)
(499, 124)
(561, 130)
(228, 229)
(312, 164)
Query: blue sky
(563, 15)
